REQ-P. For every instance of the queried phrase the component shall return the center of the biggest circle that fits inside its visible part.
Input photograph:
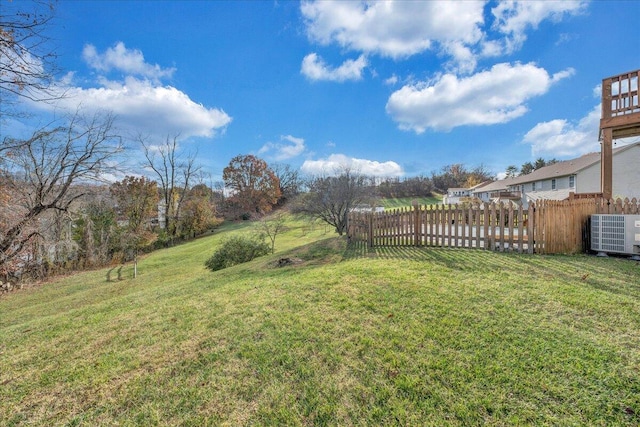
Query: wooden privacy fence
(545, 227)
(563, 226)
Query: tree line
(528, 167)
(58, 214)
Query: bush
(236, 250)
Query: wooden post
(520, 228)
(478, 217)
(417, 227)
(510, 223)
(458, 218)
(492, 224)
(486, 214)
(531, 223)
(469, 228)
(501, 215)
(606, 164)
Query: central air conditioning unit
(616, 234)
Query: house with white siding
(455, 194)
(580, 175)
(458, 194)
(497, 191)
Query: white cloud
(391, 81)
(142, 107)
(562, 138)
(336, 163)
(456, 29)
(393, 29)
(494, 96)
(597, 91)
(560, 75)
(129, 61)
(293, 147)
(565, 38)
(140, 103)
(491, 48)
(314, 68)
(514, 18)
(465, 60)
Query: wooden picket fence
(494, 226)
(546, 227)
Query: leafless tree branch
(51, 170)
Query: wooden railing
(620, 95)
(515, 195)
(575, 196)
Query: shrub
(236, 250)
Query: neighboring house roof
(495, 185)
(482, 184)
(565, 168)
(470, 189)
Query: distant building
(458, 195)
(580, 175)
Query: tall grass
(344, 336)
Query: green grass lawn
(404, 202)
(344, 336)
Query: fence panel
(546, 227)
(460, 226)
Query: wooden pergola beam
(606, 164)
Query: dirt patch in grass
(287, 262)
(323, 252)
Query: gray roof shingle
(565, 168)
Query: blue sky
(390, 88)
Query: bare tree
(50, 171)
(289, 180)
(330, 199)
(174, 173)
(271, 227)
(27, 62)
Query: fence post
(520, 227)
(485, 225)
(492, 225)
(417, 226)
(531, 227)
(370, 227)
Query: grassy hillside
(403, 202)
(344, 336)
